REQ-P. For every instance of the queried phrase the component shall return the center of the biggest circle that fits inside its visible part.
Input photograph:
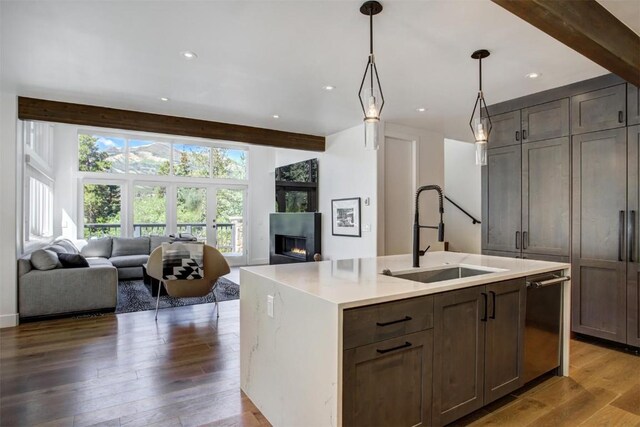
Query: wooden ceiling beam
(586, 27)
(91, 115)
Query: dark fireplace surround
(293, 237)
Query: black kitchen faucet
(417, 253)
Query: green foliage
(90, 158)
(150, 205)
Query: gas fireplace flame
(298, 251)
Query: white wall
(346, 170)
(8, 213)
(462, 184)
(262, 196)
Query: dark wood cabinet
(387, 363)
(633, 105)
(501, 204)
(633, 261)
(505, 129)
(388, 383)
(545, 197)
(504, 340)
(477, 347)
(599, 110)
(545, 121)
(458, 353)
(599, 234)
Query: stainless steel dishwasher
(543, 324)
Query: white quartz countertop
(356, 282)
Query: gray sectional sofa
(70, 290)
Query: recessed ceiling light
(421, 109)
(275, 116)
(533, 75)
(328, 88)
(164, 99)
(189, 55)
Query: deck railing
(228, 236)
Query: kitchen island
(338, 342)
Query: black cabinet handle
(393, 322)
(387, 350)
(620, 116)
(632, 236)
(517, 240)
(524, 134)
(517, 135)
(621, 236)
(525, 239)
(493, 300)
(486, 300)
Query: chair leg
(158, 300)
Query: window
(229, 163)
(149, 210)
(101, 154)
(192, 211)
(191, 160)
(149, 157)
(102, 209)
(40, 208)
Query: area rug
(134, 295)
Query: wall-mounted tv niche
(297, 187)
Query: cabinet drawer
(373, 323)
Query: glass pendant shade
(480, 122)
(370, 93)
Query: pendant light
(370, 93)
(480, 123)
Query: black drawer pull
(387, 350)
(486, 309)
(517, 135)
(393, 322)
(620, 117)
(493, 296)
(524, 134)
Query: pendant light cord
(480, 68)
(371, 45)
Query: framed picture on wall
(345, 217)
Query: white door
(228, 218)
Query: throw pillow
(67, 244)
(73, 261)
(44, 259)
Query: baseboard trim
(8, 320)
(258, 261)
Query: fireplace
(291, 246)
(294, 237)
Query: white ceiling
(261, 58)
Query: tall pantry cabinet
(561, 184)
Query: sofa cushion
(98, 261)
(44, 259)
(73, 261)
(156, 241)
(68, 245)
(97, 248)
(129, 260)
(130, 246)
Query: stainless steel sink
(441, 274)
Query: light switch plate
(270, 305)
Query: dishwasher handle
(542, 283)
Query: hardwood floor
(126, 370)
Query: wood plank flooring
(126, 370)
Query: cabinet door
(458, 353)
(546, 121)
(505, 130)
(599, 110)
(599, 238)
(633, 266)
(504, 344)
(501, 200)
(389, 383)
(545, 197)
(633, 105)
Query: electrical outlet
(270, 305)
